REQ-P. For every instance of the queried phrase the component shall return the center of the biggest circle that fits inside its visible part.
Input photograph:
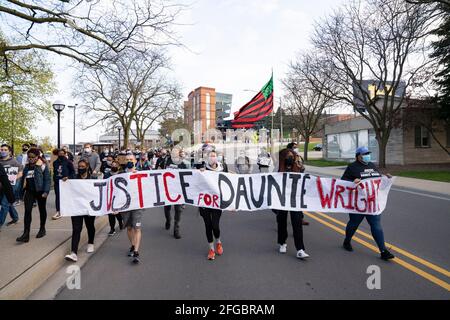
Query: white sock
(218, 240)
(211, 245)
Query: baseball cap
(362, 150)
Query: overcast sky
(233, 46)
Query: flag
(256, 109)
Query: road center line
(401, 262)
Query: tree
(88, 31)
(305, 103)
(169, 125)
(372, 68)
(126, 91)
(23, 95)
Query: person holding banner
(211, 217)
(288, 163)
(84, 172)
(62, 170)
(132, 219)
(357, 171)
(114, 169)
(36, 183)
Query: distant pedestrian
(14, 171)
(93, 159)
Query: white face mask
(87, 150)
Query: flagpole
(281, 122)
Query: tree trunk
(305, 151)
(382, 145)
(126, 136)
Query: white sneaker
(90, 248)
(301, 254)
(283, 248)
(71, 257)
(56, 216)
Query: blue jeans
(7, 207)
(375, 227)
(18, 192)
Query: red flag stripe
(256, 100)
(258, 109)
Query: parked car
(318, 147)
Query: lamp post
(59, 106)
(119, 128)
(74, 108)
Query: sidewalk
(25, 267)
(442, 188)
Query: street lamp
(74, 108)
(59, 106)
(119, 128)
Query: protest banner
(249, 192)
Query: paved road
(252, 268)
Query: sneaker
(56, 216)
(386, 255)
(176, 234)
(41, 233)
(347, 246)
(136, 259)
(301, 254)
(34, 205)
(90, 248)
(167, 225)
(131, 251)
(71, 257)
(12, 222)
(283, 248)
(211, 254)
(219, 249)
(112, 232)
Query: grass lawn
(443, 176)
(325, 163)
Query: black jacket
(5, 186)
(163, 163)
(359, 170)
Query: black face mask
(82, 171)
(24, 150)
(61, 157)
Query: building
(152, 139)
(205, 109)
(409, 142)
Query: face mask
(87, 150)
(24, 150)
(366, 158)
(32, 161)
(108, 163)
(4, 154)
(114, 169)
(130, 165)
(212, 160)
(219, 158)
(61, 157)
(82, 171)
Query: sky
(231, 45)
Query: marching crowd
(28, 177)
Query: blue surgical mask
(4, 154)
(130, 165)
(366, 158)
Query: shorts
(132, 219)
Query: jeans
(7, 207)
(296, 221)
(375, 227)
(18, 192)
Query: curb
(42, 270)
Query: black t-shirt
(359, 170)
(31, 185)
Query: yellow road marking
(401, 262)
(394, 248)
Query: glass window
(208, 111)
(421, 137)
(347, 144)
(363, 138)
(373, 146)
(332, 146)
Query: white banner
(249, 192)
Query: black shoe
(305, 223)
(112, 232)
(167, 225)
(136, 259)
(121, 226)
(176, 234)
(25, 237)
(12, 222)
(386, 255)
(130, 253)
(347, 246)
(41, 233)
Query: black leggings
(112, 220)
(211, 217)
(29, 199)
(296, 220)
(77, 226)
